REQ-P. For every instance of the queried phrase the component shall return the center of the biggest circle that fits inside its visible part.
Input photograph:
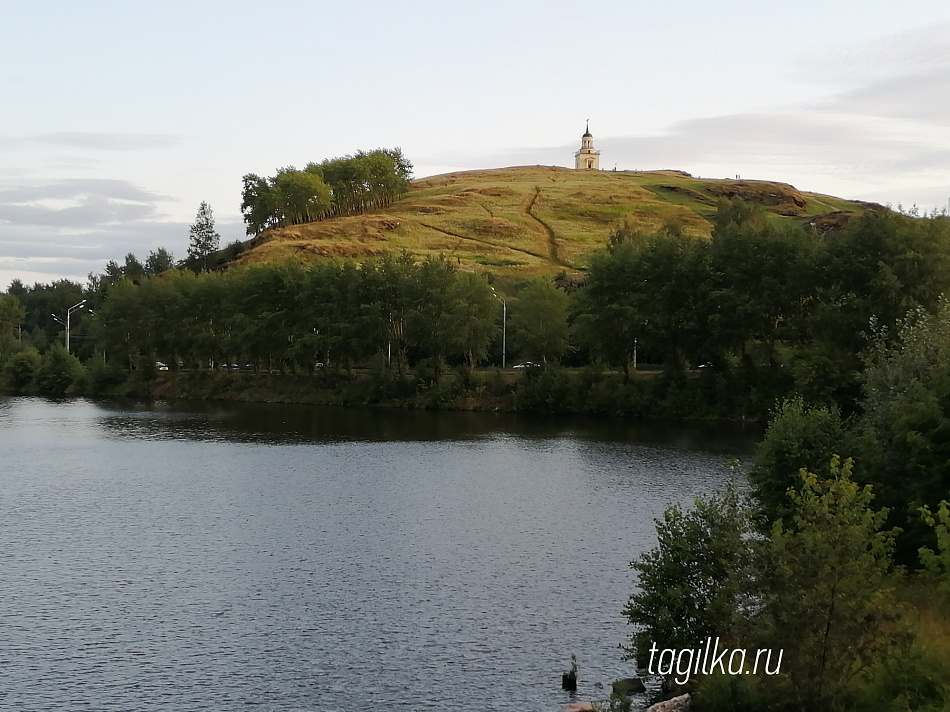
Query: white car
(525, 365)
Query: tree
(204, 239)
(12, 314)
(57, 372)
(798, 436)
(610, 319)
(133, 269)
(158, 261)
(692, 585)
(539, 327)
(827, 601)
(937, 563)
(907, 405)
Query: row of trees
(756, 293)
(292, 315)
(760, 308)
(335, 187)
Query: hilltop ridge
(528, 220)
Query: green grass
(527, 221)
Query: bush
(799, 436)
(58, 371)
(548, 390)
(19, 371)
(692, 584)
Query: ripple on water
(182, 560)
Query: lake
(196, 556)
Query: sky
(117, 119)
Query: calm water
(296, 558)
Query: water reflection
(293, 423)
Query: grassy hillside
(530, 220)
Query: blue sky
(119, 118)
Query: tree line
(333, 188)
(758, 312)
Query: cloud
(43, 253)
(94, 141)
(882, 132)
(107, 141)
(77, 203)
(905, 53)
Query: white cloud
(77, 203)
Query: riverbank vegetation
(839, 556)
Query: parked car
(526, 365)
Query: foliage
(19, 371)
(57, 372)
(103, 378)
(203, 238)
(693, 585)
(907, 405)
(937, 563)
(818, 588)
(799, 436)
(335, 187)
(12, 314)
(828, 603)
(158, 261)
(538, 321)
(609, 311)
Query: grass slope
(528, 220)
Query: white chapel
(587, 159)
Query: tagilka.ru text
(729, 661)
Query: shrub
(19, 371)
(58, 371)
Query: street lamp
(69, 313)
(504, 326)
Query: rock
(677, 704)
(581, 707)
(629, 686)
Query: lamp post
(504, 326)
(69, 313)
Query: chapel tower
(587, 159)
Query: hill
(530, 220)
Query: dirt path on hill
(481, 242)
(526, 211)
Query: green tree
(695, 583)
(58, 371)
(610, 315)
(828, 602)
(475, 311)
(158, 261)
(19, 371)
(538, 321)
(907, 405)
(203, 238)
(12, 315)
(798, 436)
(304, 197)
(937, 562)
